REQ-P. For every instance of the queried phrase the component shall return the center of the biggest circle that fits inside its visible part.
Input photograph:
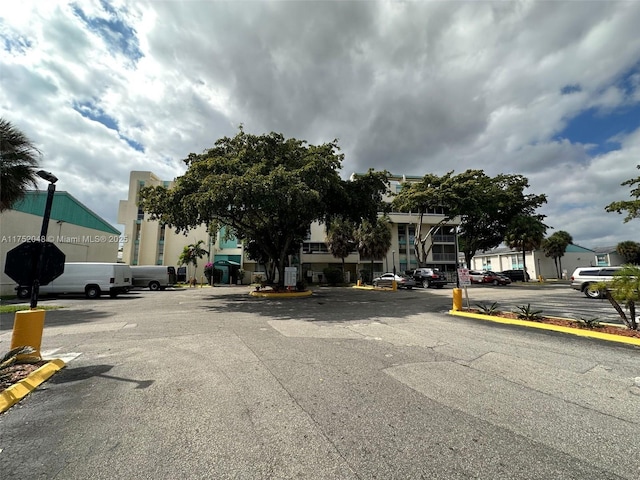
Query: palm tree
(624, 290)
(525, 232)
(191, 253)
(555, 246)
(340, 238)
(374, 239)
(18, 160)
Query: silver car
(402, 281)
(583, 277)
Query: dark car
(429, 277)
(495, 279)
(516, 275)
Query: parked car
(429, 277)
(583, 277)
(154, 277)
(476, 276)
(402, 281)
(91, 278)
(516, 275)
(495, 278)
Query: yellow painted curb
(556, 328)
(377, 289)
(306, 293)
(17, 392)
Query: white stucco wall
(79, 244)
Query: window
(314, 247)
(608, 272)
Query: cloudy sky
(547, 89)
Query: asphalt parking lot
(213, 383)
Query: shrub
(333, 275)
(488, 310)
(589, 322)
(527, 313)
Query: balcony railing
(444, 257)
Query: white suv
(583, 277)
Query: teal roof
(64, 208)
(571, 248)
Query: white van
(154, 277)
(91, 278)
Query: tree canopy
(632, 207)
(266, 189)
(18, 159)
(630, 251)
(486, 207)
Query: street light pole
(393, 253)
(52, 179)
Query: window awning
(226, 263)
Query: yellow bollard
(27, 331)
(394, 285)
(359, 283)
(457, 299)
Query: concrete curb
(556, 328)
(17, 392)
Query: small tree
(624, 291)
(525, 232)
(191, 253)
(555, 246)
(340, 238)
(374, 239)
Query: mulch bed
(622, 331)
(16, 372)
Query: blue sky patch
(93, 112)
(133, 144)
(12, 41)
(116, 33)
(595, 127)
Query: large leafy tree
(630, 251)
(525, 232)
(632, 207)
(341, 238)
(485, 205)
(266, 189)
(18, 159)
(374, 239)
(555, 246)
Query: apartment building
(149, 243)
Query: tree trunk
(555, 261)
(618, 308)
(560, 262)
(524, 263)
